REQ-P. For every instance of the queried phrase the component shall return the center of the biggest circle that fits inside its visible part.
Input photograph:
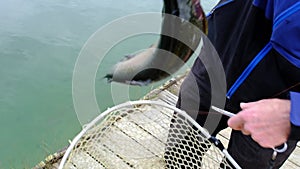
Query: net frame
(214, 142)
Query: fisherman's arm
(270, 122)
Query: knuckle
(256, 138)
(245, 132)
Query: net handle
(134, 103)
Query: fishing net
(144, 135)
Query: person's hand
(267, 121)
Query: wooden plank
(295, 157)
(289, 165)
(148, 140)
(80, 159)
(103, 152)
(68, 166)
(225, 133)
(129, 149)
(152, 119)
(168, 97)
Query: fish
(169, 54)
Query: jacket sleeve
(295, 116)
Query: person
(258, 45)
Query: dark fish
(159, 61)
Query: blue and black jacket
(259, 45)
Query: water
(40, 42)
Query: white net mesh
(145, 137)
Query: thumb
(236, 122)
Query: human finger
(245, 129)
(245, 132)
(236, 122)
(247, 105)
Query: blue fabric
(267, 5)
(285, 38)
(295, 108)
(249, 69)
